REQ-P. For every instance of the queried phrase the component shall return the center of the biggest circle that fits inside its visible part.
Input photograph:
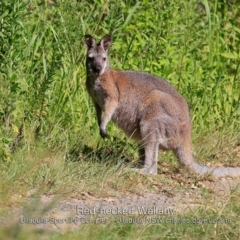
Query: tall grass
(42, 61)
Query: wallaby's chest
(96, 91)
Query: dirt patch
(56, 214)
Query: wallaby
(147, 108)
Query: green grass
(49, 138)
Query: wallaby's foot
(104, 133)
(145, 170)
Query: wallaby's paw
(104, 134)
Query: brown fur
(147, 108)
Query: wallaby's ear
(106, 42)
(89, 41)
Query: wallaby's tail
(186, 158)
(215, 171)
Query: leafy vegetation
(48, 133)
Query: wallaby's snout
(94, 65)
(96, 69)
(97, 60)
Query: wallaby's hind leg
(184, 152)
(151, 157)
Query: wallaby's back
(134, 91)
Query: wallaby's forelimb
(110, 107)
(141, 154)
(99, 114)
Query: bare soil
(57, 214)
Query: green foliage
(42, 62)
(44, 103)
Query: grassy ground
(49, 139)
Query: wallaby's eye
(104, 59)
(90, 58)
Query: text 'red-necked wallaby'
(145, 107)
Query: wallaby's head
(97, 54)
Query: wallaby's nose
(97, 69)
